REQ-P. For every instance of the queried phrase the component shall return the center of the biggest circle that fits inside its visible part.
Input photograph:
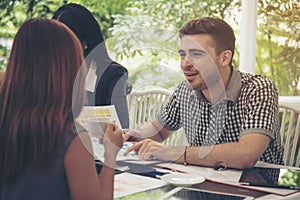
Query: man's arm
(242, 154)
(162, 133)
(154, 131)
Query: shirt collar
(232, 90)
(234, 86)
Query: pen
(171, 169)
(153, 174)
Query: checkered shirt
(250, 105)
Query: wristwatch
(221, 166)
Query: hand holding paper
(112, 142)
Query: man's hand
(149, 149)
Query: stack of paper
(126, 184)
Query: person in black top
(43, 150)
(106, 79)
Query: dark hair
(82, 23)
(37, 93)
(218, 29)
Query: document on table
(99, 151)
(131, 157)
(126, 184)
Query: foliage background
(141, 35)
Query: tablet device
(140, 169)
(271, 177)
(192, 194)
(99, 164)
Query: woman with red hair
(44, 154)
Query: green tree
(144, 33)
(13, 13)
(277, 35)
(104, 11)
(148, 34)
(278, 44)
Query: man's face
(199, 62)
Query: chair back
(289, 131)
(143, 108)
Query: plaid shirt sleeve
(262, 108)
(170, 114)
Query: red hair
(36, 95)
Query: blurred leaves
(144, 33)
(290, 177)
(278, 43)
(148, 34)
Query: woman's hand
(112, 141)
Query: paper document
(99, 151)
(98, 112)
(126, 184)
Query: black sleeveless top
(44, 180)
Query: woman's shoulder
(71, 132)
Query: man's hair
(218, 29)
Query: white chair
(290, 131)
(143, 108)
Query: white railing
(290, 100)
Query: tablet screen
(271, 177)
(190, 194)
